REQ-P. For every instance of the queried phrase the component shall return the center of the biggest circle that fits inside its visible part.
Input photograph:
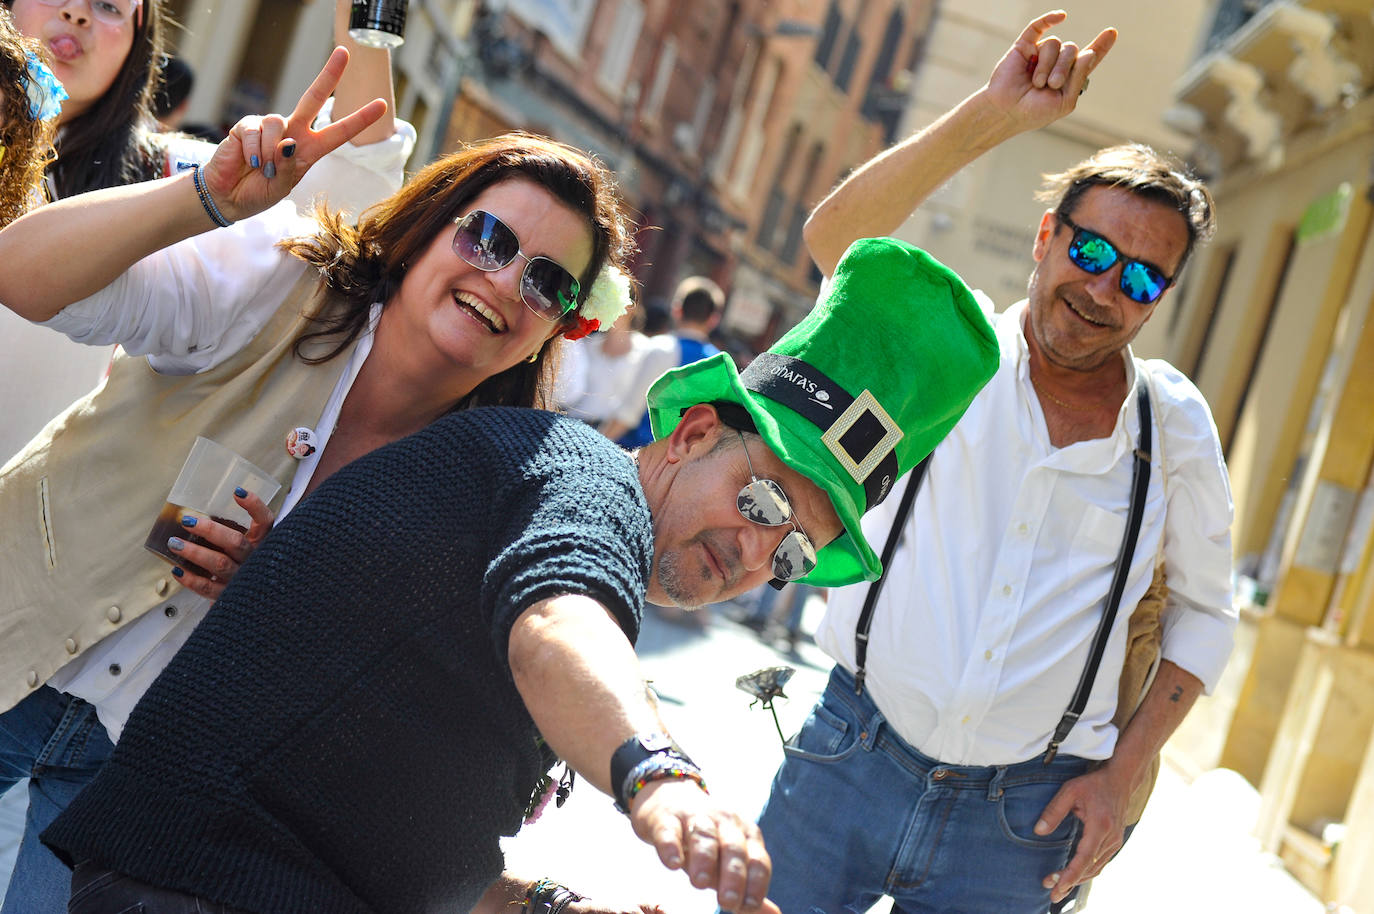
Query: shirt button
(1022, 529)
(33, 679)
(160, 587)
(115, 669)
(113, 614)
(170, 612)
(987, 655)
(1006, 590)
(71, 646)
(965, 720)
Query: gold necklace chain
(1056, 400)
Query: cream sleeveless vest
(78, 501)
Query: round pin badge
(300, 442)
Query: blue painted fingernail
(178, 573)
(188, 521)
(176, 543)
(288, 150)
(240, 491)
(254, 161)
(269, 171)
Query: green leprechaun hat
(860, 391)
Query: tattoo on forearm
(1178, 694)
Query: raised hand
(1041, 76)
(263, 158)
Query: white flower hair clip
(610, 297)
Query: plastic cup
(205, 487)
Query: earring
(533, 355)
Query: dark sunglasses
(488, 244)
(763, 502)
(1090, 252)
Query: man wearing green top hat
(979, 745)
(373, 700)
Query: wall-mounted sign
(1326, 215)
(1324, 532)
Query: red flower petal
(583, 328)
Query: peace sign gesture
(263, 158)
(1040, 77)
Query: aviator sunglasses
(763, 502)
(1091, 253)
(110, 12)
(488, 244)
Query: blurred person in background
(697, 306)
(173, 100)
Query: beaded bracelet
(661, 767)
(206, 200)
(548, 897)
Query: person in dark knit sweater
(358, 719)
(342, 732)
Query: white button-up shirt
(986, 620)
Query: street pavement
(1191, 853)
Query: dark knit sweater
(341, 733)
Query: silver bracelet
(206, 200)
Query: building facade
(1275, 329)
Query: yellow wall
(1259, 221)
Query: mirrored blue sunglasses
(1090, 252)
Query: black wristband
(633, 751)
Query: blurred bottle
(378, 23)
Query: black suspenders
(894, 536)
(1140, 484)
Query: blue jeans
(56, 741)
(855, 813)
(96, 890)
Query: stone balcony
(1289, 68)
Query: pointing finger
(1030, 37)
(341, 131)
(319, 91)
(1102, 44)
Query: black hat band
(857, 431)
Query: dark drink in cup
(205, 488)
(168, 525)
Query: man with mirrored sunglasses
(976, 749)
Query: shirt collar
(1011, 329)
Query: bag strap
(894, 536)
(1140, 484)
